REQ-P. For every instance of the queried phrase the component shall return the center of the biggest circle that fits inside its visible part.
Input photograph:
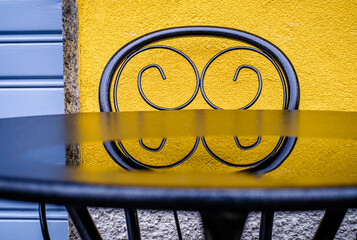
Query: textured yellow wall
(319, 37)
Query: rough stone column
(70, 69)
(70, 77)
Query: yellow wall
(319, 37)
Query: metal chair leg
(266, 225)
(83, 222)
(43, 221)
(330, 224)
(132, 223)
(223, 225)
(178, 228)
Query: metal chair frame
(119, 60)
(272, 53)
(217, 225)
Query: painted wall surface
(31, 83)
(319, 38)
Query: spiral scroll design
(247, 147)
(141, 91)
(245, 107)
(199, 84)
(259, 45)
(153, 149)
(115, 89)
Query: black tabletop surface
(38, 180)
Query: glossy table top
(37, 180)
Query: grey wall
(31, 83)
(31, 63)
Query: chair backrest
(221, 225)
(115, 66)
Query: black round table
(213, 195)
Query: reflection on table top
(78, 128)
(38, 181)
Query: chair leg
(223, 225)
(266, 225)
(132, 224)
(83, 222)
(178, 228)
(43, 221)
(330, 224)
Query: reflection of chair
(108, 102)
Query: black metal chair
(217, 225)
(118, 61)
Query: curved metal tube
(237, 72)
(259, 79)
(140, 87)
(248, 105)
(263, 47)
(43, 221)
(150, 103)
(154, 105)
(153, 149)
(160, 167)
(162, 74)
(242, 165)
(247, 147)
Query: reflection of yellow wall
(319, 37)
